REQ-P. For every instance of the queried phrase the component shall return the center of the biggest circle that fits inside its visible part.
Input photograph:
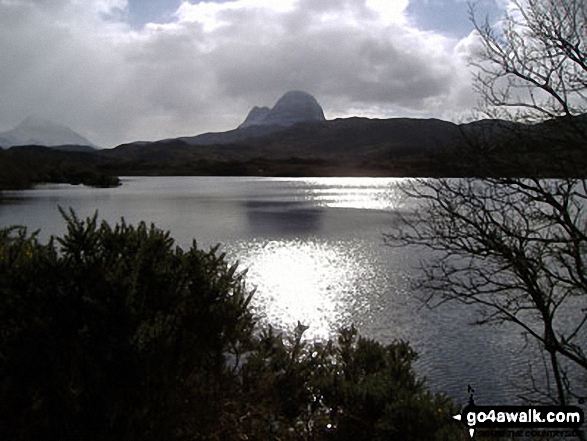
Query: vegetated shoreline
(24, 167)
(353, 147)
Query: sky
(119, 71)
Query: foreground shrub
(349, 389)
(114, 333)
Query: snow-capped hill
(39, 131)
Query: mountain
(38, 131)
(293, 107)
(255, 117)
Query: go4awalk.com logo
(513, 417)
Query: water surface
(314, 250)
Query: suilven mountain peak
(293, 107)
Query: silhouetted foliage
(102, 326)
(114, 333)
(23, 167)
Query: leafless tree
(534, 66)
(516, 248)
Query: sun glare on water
(307, 281)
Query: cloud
(79, 63)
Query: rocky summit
(293, 107)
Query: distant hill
(364, 147)
(38, 131)
(348, 138)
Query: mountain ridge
(397, 147)
(306, 144)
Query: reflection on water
(271, 218)
(313, 281)
(357, 193)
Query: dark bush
(112, 333)
(101, 329)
